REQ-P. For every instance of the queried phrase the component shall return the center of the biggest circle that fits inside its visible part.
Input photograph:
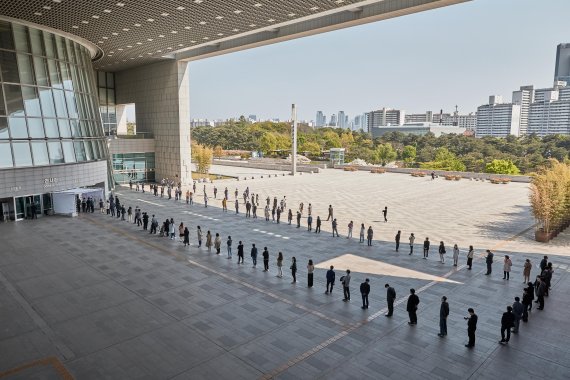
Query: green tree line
(511, 155)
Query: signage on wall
(15, 188)
(50, 182)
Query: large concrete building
(68, 68)
(385, 117)
(498, 119)
(562, 66)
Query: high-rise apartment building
(341, 120)
(321, 119)
(498, 119)
(469, 121)
(551, 113)
(385, 117)
(562, 66)
(333, 121)
(524, 97)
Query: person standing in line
(345, 281)
(254, 255)
(455, 254)
(240, 252)
(267, 213)
(123, 211)
(547, 277)
(209, 241)
(507, 264)
(215, 192)
(247, 209)
(290, 216)
(350, 225)
(310, 210)
(526, 271)
(280, 265)
(318, 227)
(265, 255)
(426, 248)
(181, 232)
(130, 214)
(527, 303)
(385, 214)
(229, 245)
(362, 233)
(390, 298)
(218, 243)
(205, 200)
(441, 252)
(543, 263)
(330, 213)
(489, 262)
(187, 196)
(199, 233)
(309, 223)
(369, 235)
(254, 210)
(298, 219)
(172, 230)
(471, 327)
(532, 292)
(278, 212)
(412, 239)
(470, 255)
(364, 291)
(507, 322)
(192, 199)
(443, 313)
(540, 287)
(397, 238)
(294, 269)
(186, 237)
(301, 207)
(225, 205)
(237, 206)
(330, 280)
(334, 227)
(518, 310)
(310, 270)
(412, 307)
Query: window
(68, 151)
(46, 100)
(50, 125)
(36, 128)
(9, 66)
(55, 152)
(71, 106)
(54, 73)
(65, 76)
(89, 151)
(80, 151)
(40, 70)
(60, 44)
(2, 107)
(14, 101)
(4, 129)
(64, 128)
(25, 69)
(75, 128)
(110, 80)
(36, 40)
(5, 154)
(22, 154)
(18, 128)
(40, 153)
(59, 100)
(6, 35)
(21, 38)
(49, 45)
(31, 101)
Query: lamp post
(294, 140)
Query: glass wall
(48, 100)
(107, 105)
(136, 167)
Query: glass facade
(136, 167)
(107, 105)
(48, 100)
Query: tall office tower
(498, 119)
(524, 97)
(341, 120)
(333, 120)
(320, 120)
(562, 66)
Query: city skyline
(309, 73)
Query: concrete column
(161, 94)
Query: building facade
(51, 136)
(385, 117)
(562, 66)
(498, 119)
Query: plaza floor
(94, 297)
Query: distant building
(498, 119)
(469, 121)
(420, 129)
(321, 119)
(550, 114)
(562, 66)
(333, 121)
(201, 123)
(342, 122)
(385, 117)
(524, 97)
(252, 118)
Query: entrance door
(20, 207)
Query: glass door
(20, 207)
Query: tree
(331, 140)
(385, 153)
(409, 154)
(445, 160)
(312, 148)
(218, 151)
(501, 167)
(131, 128)
(202, 156)
(267, 143)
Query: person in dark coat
(489, 262)
(443, 313)
(398, 240)
(330, 280)
(507, 322)
(390, 297)
(518, 310)
(240, 252)
(412, 307)
(186, 237)
(540, 287)
(471, 327)
(265, 259)
(364, 291)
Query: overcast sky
(459, 54)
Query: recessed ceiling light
(169, 48)
(137, 25)
(105, 38)
(339, 1)
(258, 5)
(38, 13)
(85, 22)
(74, 26)
(56, 1)
(180, 45)
(271, 20)
(161, 35)
(46, 7)
(129, 46)
(150, 19)
(120, 49)
(206, 38)
(120, 4)
(115, 34)
(174, 32)
(180, 8)
(95, 16)
(159, 51)
(149, 39)
(252, 25)
(193, 41)
(187, 27)
(220, 34)
(126, 29)
(164, 14)
(292, 14)
(107, 10)
(314, 8)
(149, 53)
(203, 22)
(111, 52)
(139, 43)
(235, 30)
(99, 42)
(198, 1)
(237, 11)
(219, 17)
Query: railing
(139, 135)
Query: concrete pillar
(160, 92)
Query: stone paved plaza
(94, 297)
